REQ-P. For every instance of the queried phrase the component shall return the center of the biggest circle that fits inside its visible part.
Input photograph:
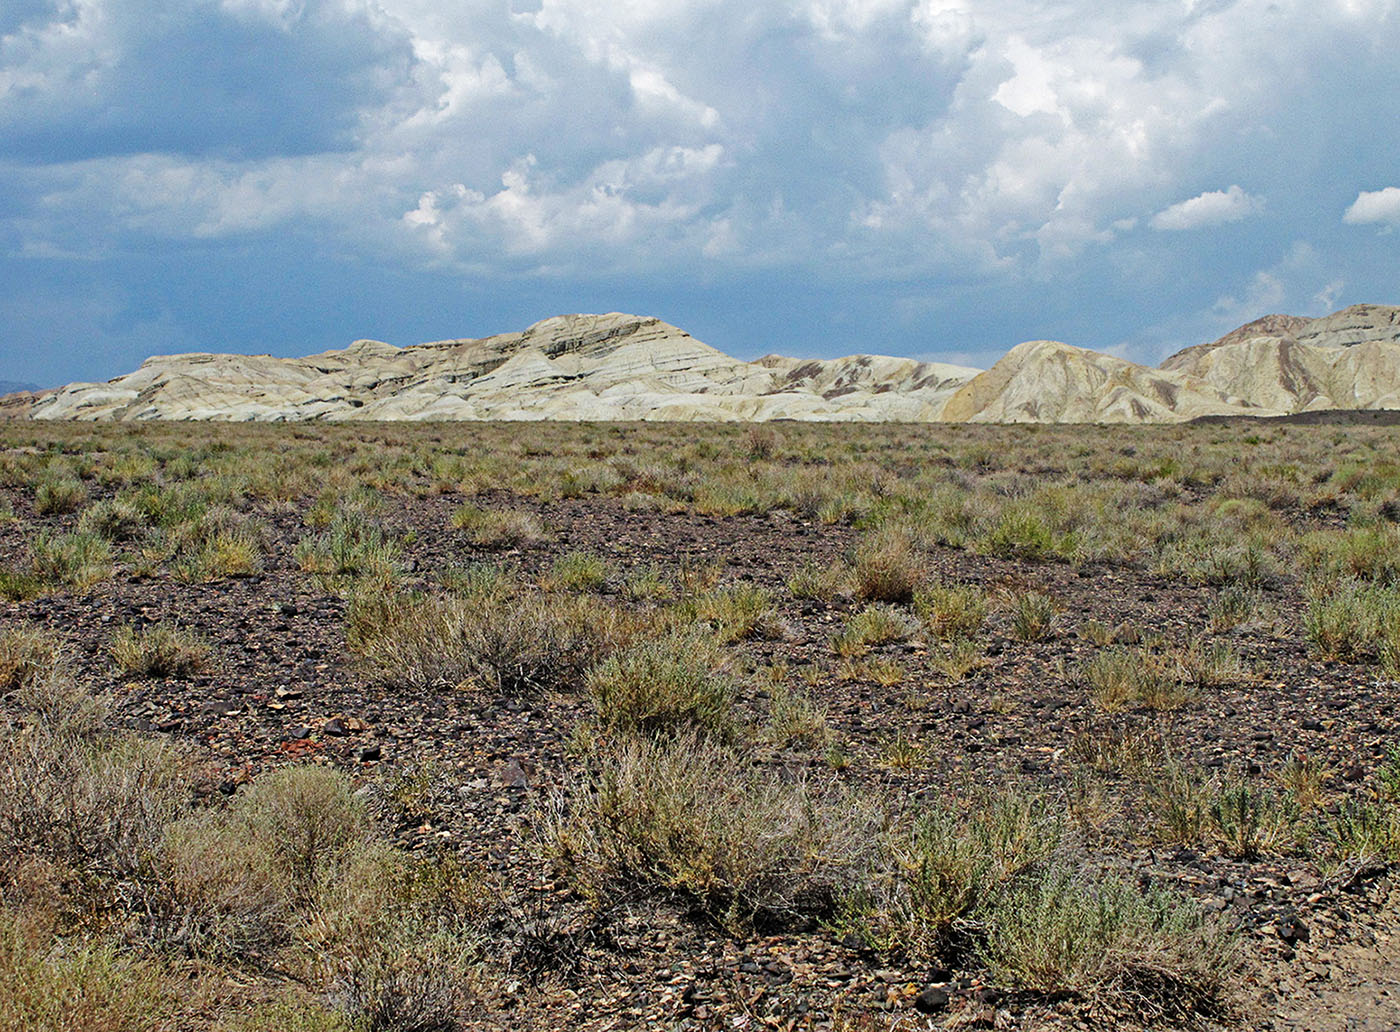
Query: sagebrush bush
(92, 986)
(689, 818)
(888, 567)
(241, 878)
(515, 643)
(663, 684)
(25, 656)
(160, 650)
(1153, 952)
(79, 796)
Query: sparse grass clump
(78, 560)
(115, 519)
(496, 642)
(688, 818)
(499, 528)
(735, 611)
(159, 650)
(56, 497)
(576, 571)
(1118, 677)
(25, 656)
(874, 625)
(1032, 615)
(952, 610)
(888, 568)
(663, 684)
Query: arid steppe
(497, 726)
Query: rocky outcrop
(1044, 381)
(1284, 365)
(624, 367)
(572, 367)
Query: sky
(934, 178)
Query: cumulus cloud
(1370, 206)
(1212, 208)
(976, 147)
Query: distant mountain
(14, 387)
(626, 367)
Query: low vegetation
(435, 727)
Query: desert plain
(686, 726)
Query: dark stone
(335, 727)
(987, 996)
(288, 609)
(296, 734)
(931, 1000)
(1354, 773)
(369, 754)
(1292, 930)
(1309, 724)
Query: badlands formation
(624, 367)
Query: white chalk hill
(624, 367)
(605, 367)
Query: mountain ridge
(617, 366)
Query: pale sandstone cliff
(624, 367)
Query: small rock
(931, 1000)
(299, 732)
(1292, 930)
(1354, 773)
(335, 727)
(369, 754)
(513, 775)
(987, 996)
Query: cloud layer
(925, 176)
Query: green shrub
(1098, 938)
(501, 643)
(952, 610)
(56, 497)
(662, 685)
(159, 650)
(689, 818)
(1032, 616)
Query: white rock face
(1348, 360)
(572, 367)
(1044, 381)
(625, 367)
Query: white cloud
(1375, 206)
(1212, 208)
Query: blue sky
(938, 178)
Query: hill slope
(626, 367)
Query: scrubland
(434, 727)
